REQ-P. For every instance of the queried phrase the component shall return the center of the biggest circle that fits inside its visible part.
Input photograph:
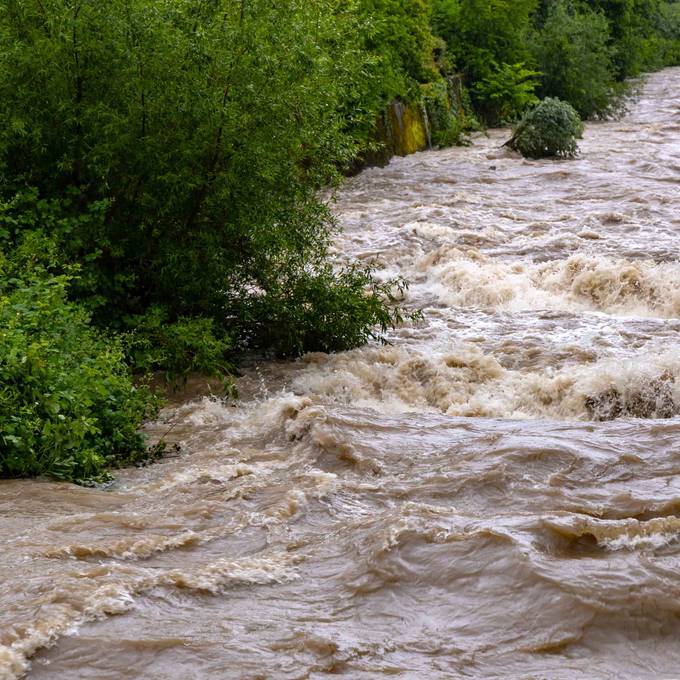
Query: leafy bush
(483, 33)
(68, 407)
(508, 91)
(176, 348)
(586, 49)
(574, 54)
(322, 310)
(480, 35)
(639, 32)
(550, 129)
(668, 30)
(404, 64)
(399, 40)
(446, 124)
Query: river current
(494, 494)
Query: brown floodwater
(495, 494)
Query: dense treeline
(581, 51)
(161, 167)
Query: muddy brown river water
(495, 494)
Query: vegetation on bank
(68, 405)
(161, 167)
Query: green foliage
(399, 38)
(585, 49)
(323, 310)
(574, 54)
(403, 59)
(188, 345)
(508, 91)
(68, 407)
(446, 124)
(635, 27)
(550, 129)
(179, 147)
(668, 32)
(481, 35)
(162, 162)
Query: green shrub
(480, 35)
(187, 345)
(508, 91)
(405, 63)
(668, 29)
(639, 32)
(399, 40)
(68, 407)
(321, 310)
(573, 52)
(446, 125)
(483, 33)
(550, 129)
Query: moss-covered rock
(406, 129)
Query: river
(494, 494)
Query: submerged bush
(325, 311)
(176, 348)
(552, 128)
